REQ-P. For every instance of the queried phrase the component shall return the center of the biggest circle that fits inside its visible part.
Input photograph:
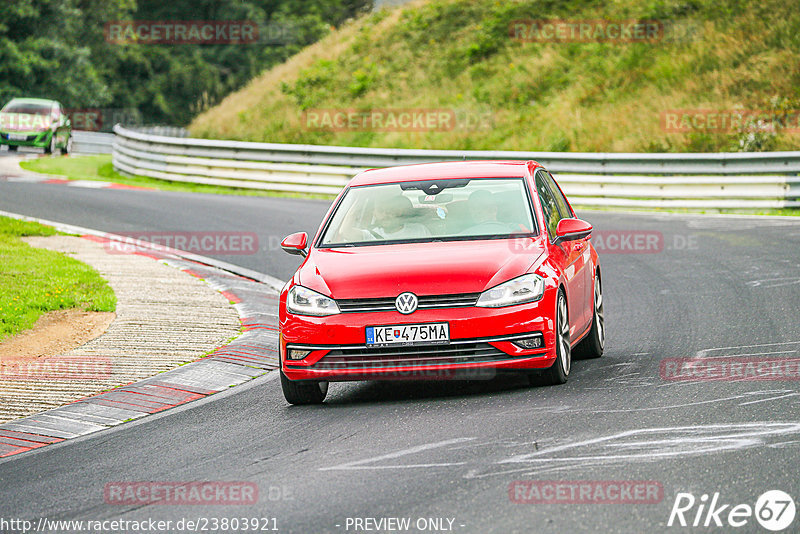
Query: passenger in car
(394, 220)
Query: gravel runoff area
(165, 317)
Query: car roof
(33, 100)
(443, 170)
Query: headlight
(526, 288)
(303, 301)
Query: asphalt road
(717, 287)
(162, 215)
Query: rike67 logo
(774, 511)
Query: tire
(51, 146)
(12, 148)
(297, 392)
(67, 146)
(558, 373)
(593, 344)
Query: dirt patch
(55, 333)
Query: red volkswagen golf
(441, 270)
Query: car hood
(437, 268)
(23, 122)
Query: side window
(563, 207)
(549, 205)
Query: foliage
(551, 96)
(57, 49)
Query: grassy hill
(459, 56)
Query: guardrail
(168, 131)
(84, 142)
(721, 180)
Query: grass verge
(34, 281)
(466, 58)
(100, 168)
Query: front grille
(456, 353)
(425, 302)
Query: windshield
(27, 108)
(480, 208)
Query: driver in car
(483, 210)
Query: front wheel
(297, 392)
(51, 146)
(558, 373)
(12, 148)
(67, 146)
(593, 344)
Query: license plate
(17, 137)
(408, 334)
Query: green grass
(593, 97)
(34, 281)
(100, 168)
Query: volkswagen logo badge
(406, 303)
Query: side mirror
(572, 230)
(295, 243)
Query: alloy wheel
(565, 354)
(598, 312)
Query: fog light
(532, 342)
(296, 354)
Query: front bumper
(36, 139)
(481, 342)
